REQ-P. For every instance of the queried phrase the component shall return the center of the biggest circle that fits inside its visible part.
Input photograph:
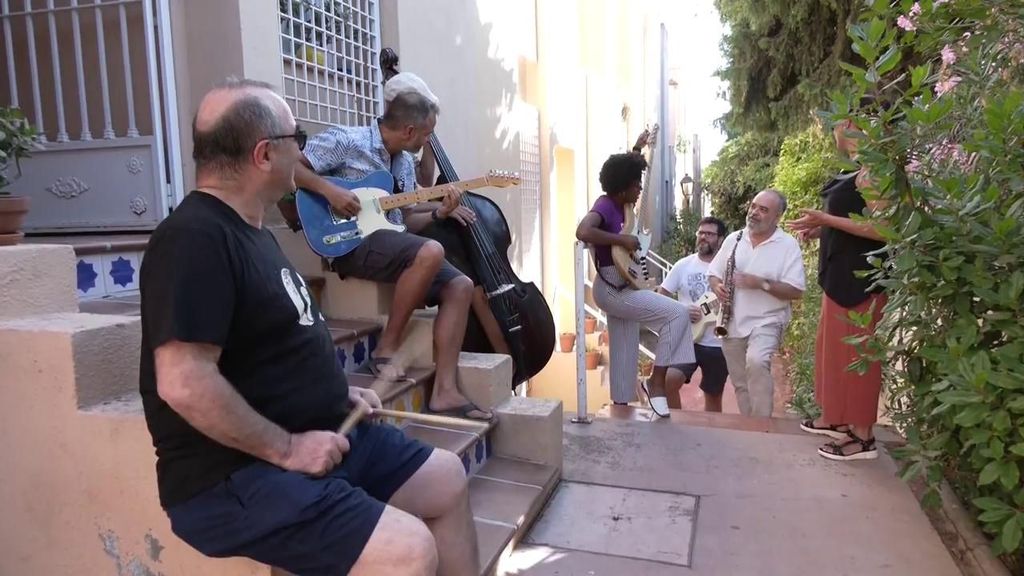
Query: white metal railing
(659, 262)
(330, 50)
(48, 103)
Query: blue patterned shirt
(352, 152)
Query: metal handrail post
(578, 308)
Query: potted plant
(593, 358)
(589, 324)
(566, 341)
(17, 140)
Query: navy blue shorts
(713, 371)
(305, 525)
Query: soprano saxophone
(725, 311)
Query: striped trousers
(627, 311)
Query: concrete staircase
(80, 493)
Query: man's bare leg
(401, 544)
(439, 493)
(449, 331)
(489, 323)
(410, 292)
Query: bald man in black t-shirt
(243, 394)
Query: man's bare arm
(189, 380)
(343, 201)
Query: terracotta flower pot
(602, 338)
(593, 359)
(589, 324)
(12, 214)
(566, 341)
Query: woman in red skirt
(848, 400)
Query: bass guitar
(332, 236)
(632, 264)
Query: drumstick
(399, 360)
(433, 418)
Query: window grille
(330, 50)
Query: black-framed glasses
(300, 137)
(706, 233)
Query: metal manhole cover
(627, 522)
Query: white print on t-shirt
(300, 298)
(689, 279)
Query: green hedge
(948, 157)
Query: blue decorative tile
(359, 352)
(86, 274)
(121, 272)
(479, 451)
(341, 356)
(465, 463)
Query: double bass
(480, 251)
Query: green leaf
(889, 60)
(990, 473)
(971, 415)
(1011, 535)
(1010, 475)
(1018, 449)
(1016, 405)
(1001, 421)
(989, 503)
(996, 516)
(918, 76)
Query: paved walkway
(766, 504)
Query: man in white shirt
(688, 281)
(768, 275)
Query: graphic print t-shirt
(688, 278)
(209, 277)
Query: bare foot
(458, 405)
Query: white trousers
(627, 310)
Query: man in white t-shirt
(768, 275)
(688, 281)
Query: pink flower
(914, 166)
(943, 86)
(906, 24)
(915, 10)
(948, 55)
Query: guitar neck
(424, 194)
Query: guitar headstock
(502, 178)
(652, 135)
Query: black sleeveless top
(843, 253)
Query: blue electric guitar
(332, 236)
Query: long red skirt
(845, 397)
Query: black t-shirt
(210, 277)
(842, 253)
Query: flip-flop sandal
(831, 431)
(463, 412)
(381, 367)
(836, 451)
(659, 404)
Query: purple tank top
(612, 218)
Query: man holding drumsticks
(243, 393)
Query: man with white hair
(408, 82)
(414, 264)
(768, 273)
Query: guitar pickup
(705, 309)
(341, 237)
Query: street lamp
(684, 184)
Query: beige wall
(216, 39)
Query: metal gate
(88, 77)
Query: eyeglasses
(703, 233)
(299, 135)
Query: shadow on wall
(471, 65)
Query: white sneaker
(658, 403)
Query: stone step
(507, 496)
